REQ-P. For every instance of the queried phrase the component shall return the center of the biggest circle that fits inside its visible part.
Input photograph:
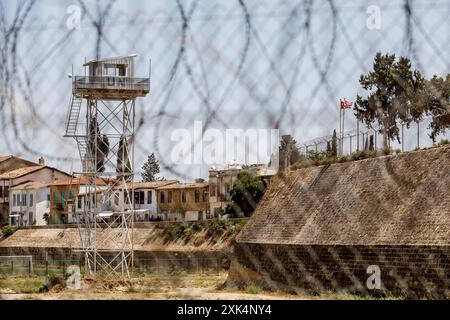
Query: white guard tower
(101, 119)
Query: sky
(261, 65)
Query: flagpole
(343, 130)
(340, 126)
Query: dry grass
(152, 287)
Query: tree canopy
(289, 151)
(247, 191)
(394, 95)
(150, 169)
(436, 102)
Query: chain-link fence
(26, 266)
(223, 64)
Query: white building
(29, 204)
(144, 199)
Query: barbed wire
(272, 64)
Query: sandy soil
(166, 287)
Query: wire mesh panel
(216, 65)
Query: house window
(139, 197)
(227, 188)
(63, 197)
(6, 194)
(212, 188)
(48, 196)
(149, 197)
(1, 191)
(116, 198)
(197, 196)
(183, 196)
(169, 197)
(205, 195)
(161, 197)
(79, 202)
(55, 197)
(31, 200)
(14, 200)
(24, 199)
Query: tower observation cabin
(111, 78)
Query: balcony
(111, 86)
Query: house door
(55, 219)
(30, 218)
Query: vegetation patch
(200, 232)
(22, 284)
(8, 230)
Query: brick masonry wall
(336, 220)
(411, 271)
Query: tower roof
(110, 59)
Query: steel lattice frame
(106, 234)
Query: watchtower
(101, 119)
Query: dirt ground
(185, 286)
(162, 287)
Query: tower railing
(111, 82)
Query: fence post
(357, 134)
(46, 267)
(403, 137)
(418, 134)
(12, 267)
(350, 144)
(29, 267)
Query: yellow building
(184, 201)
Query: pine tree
(123, 159)
(334, 144)
(371, 144)
(150, 169)
(289, 151)
(393, 94)
(98, 146)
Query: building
(30, 204)
(221, 182)
(68, 197)
(40, 173)
(145, 200)
(183, 201)
(9, 163)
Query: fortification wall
(320, 228)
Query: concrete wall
(390, 211)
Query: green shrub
(8, 230)
(443, 142)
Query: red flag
(346, 104)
